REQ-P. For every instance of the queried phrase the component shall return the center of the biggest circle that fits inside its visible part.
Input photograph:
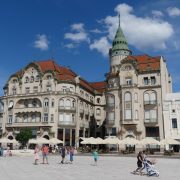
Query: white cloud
(42, 42)
(70, 46)
(173, 11)
(79, 35)
(140, 32)
(102, 45)
(97, 31)
(157, 14)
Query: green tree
(24, 136)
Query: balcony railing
(129, 85)
(67, 123)
(28, 123)
(151, 120)
(28, 109)
(66, 108)
(150, 102)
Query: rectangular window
(110, 116)
(35, 89)
(10, 119)
(153, 80)
(174, 123)
(61, 117)
(146, 81)
(45, 117)
(48, 88)
(27, 90)
(150, 115)
(52, 117)
(128, 81)
(128, 114)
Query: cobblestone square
(109, 167)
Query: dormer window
(26, 79)
(49, 77)
(37, 78)
(127, 68)
(14, 81)
(153, 80)
(32, 79)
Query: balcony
(27, 124)
(150, 103)
(66, 123)
(129, 122)
(149, 121)
(67, 108)
(130, 85)
(27, 109)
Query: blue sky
(78, 33)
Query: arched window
(128, 106)
(1, 106)
(98, 100)
(68, 103)
(98, 111)
(153, 98)
(127, 96)
(146, 98)
(73, 103)
(61, 103)
(46, 102)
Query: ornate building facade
(52, 101)
(136, 87)
(55, 102)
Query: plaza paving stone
(108, 168)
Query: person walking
(139, 162)
(36, 155)
(63, 154)
(95, 156)
(144, 159)
(71, 152)
(45, 151)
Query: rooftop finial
(119, 19)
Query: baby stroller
(151, 171)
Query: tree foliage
(24, 136)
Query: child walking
(36, 155)
(95, 156)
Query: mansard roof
(145, 62)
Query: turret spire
(119, 20)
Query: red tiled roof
(146, 62)
(48, 65)
(99, 86)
